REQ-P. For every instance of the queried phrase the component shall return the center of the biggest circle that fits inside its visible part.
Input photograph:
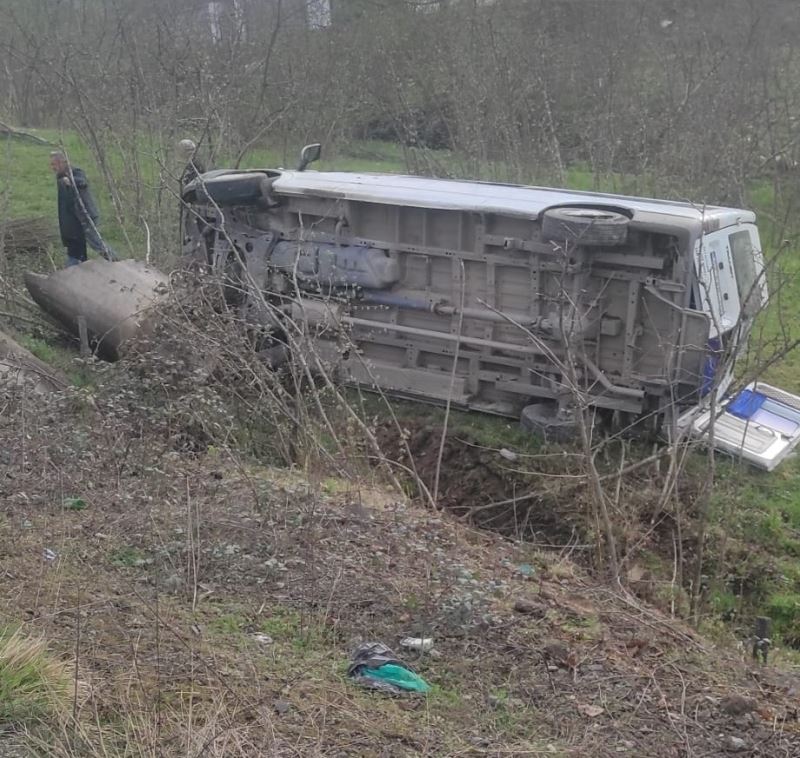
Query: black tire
(542, 420)
(595, 227)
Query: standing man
(77, 212)
(187, 155)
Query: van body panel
(401, 277)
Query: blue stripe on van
(746, 403)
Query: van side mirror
(309, 154)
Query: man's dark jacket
(75, 208)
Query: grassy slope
(166, 580)
(762, 512)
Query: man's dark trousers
(76, 250)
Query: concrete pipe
(112, 299)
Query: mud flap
(761, 425)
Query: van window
(747, 271)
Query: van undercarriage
(581, 305)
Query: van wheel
(542, 420)
(594, 227)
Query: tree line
(699, 98)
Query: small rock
(545, 594)
(281, 706)
(557, 652)
(264, 639)
(592, 711)
(495, 701)
(173, 583)
(529, 607)
(736, 705)
(735, 744)
(509, 455)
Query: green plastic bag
(398, 676)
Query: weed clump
(33, 684)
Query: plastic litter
(422, 644)
(375, 666)
(49, 555)
(526, 570)
(74, 504)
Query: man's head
(59, 164)
(186, 149)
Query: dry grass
(34, 684)
(27, 235)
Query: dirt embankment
(213, 602)
(539, 497)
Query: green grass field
(27, 187)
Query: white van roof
(482, 197)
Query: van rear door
(760, 425)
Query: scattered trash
(526, 570)
(735, 745)
(421, 644)
(49, 555)
(592, 711)
(264, 639)
(375, 666)
(74, 504)
(509, 455)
